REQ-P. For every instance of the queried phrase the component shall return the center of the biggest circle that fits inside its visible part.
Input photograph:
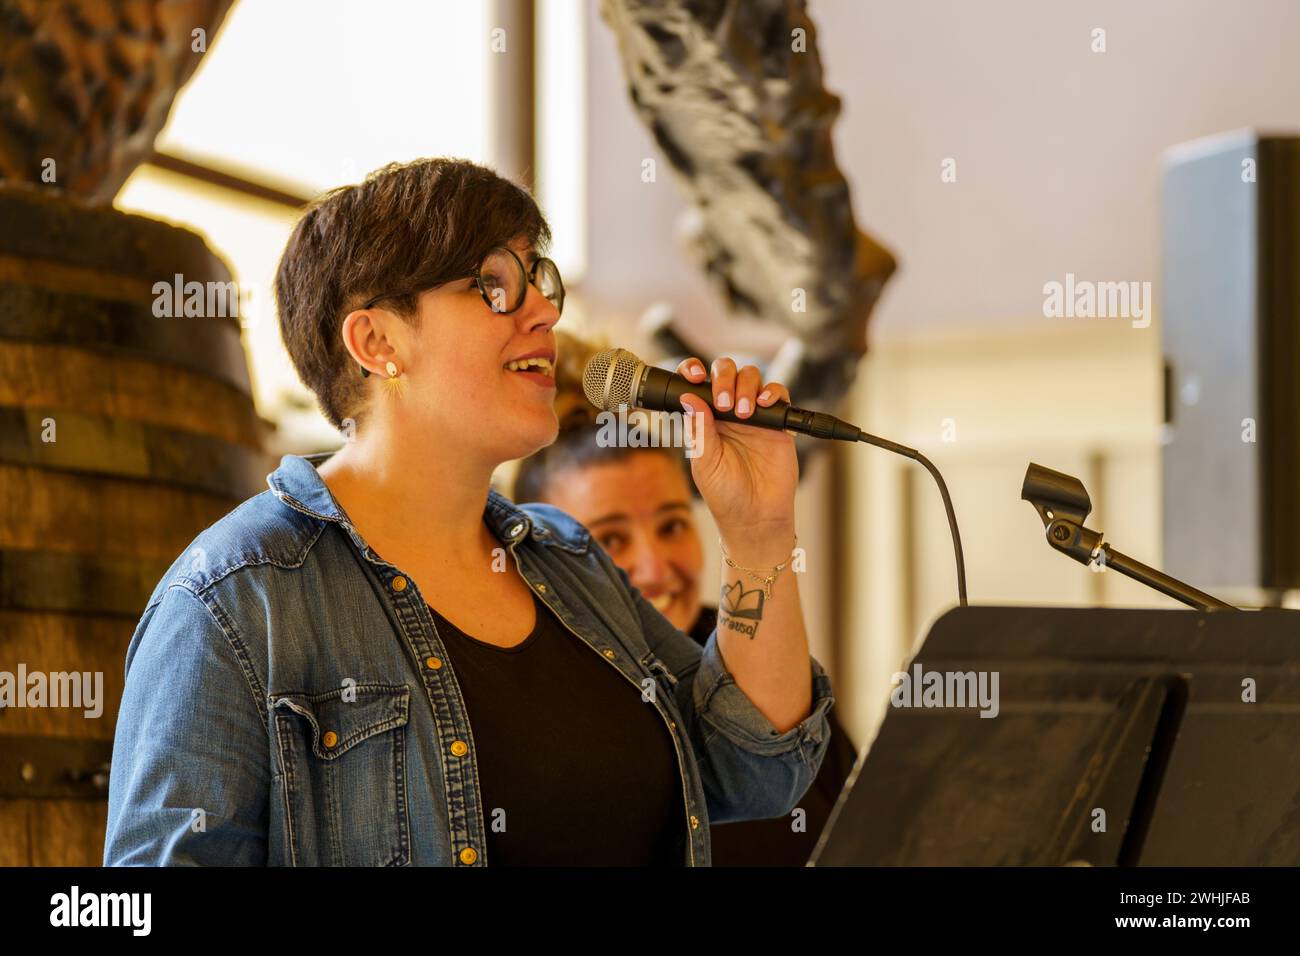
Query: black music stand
(1137, 713)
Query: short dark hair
(407, 227)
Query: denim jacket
(288, 700)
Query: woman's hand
(746, 475)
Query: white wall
(1057, 147)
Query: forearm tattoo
(740, 610)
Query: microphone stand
(1063, 504)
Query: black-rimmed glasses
(503, 282)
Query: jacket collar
(297, 484)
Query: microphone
(616, 377)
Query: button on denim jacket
(289, 702)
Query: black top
(574, 768)
(774, 842)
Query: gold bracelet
(766, 580)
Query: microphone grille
(607, 379)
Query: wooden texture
(123, 434)
(90, 83)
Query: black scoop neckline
(539, 610)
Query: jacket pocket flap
(340, 719)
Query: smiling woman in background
(637, 504)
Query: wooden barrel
(123, 433)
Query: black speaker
(1230, 290)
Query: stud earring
(395, 384)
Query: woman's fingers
(742, 389)
(748, 381)
(692, 368)
(773, 392)
(724, 384)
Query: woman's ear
(363, 337)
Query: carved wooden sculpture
(88, 84)
(733, 93)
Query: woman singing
(381, 661)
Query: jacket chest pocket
(343, 763)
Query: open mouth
(662, 601)
(539, 369)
